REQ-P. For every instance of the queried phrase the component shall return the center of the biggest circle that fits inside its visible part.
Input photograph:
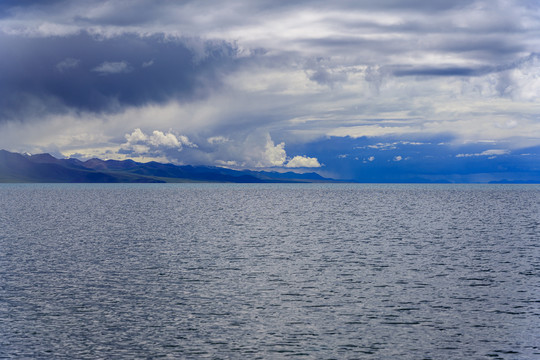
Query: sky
(375, 91)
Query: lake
(269, 271)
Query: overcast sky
(346, 88)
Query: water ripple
(269, 271)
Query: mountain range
(44, 168)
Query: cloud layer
(255, 83)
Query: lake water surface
(270, 271)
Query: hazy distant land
(44, 168)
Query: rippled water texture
(270, 271)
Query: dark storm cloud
(87, 73)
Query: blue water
(270, 271)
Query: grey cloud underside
(487, 48)
(416, 17)
(93, 74)
(148, 9)
(328, 63)
(460, 71)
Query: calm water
(270, 271)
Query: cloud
(158, 138)
(492, 152)
(180, 71)
(229, 163)
(147, 63)
(433, 160)
(321, 72)
(155, 146)
(108, 68)
(67, 63)
(303, 162)
(384, 146)
(274, 155)
(299, 70)
(217, 140)
(136, 136)
(442, 71)
(185, 141)
(253, 154)
(258, 150)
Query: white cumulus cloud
(159, 138)
(135, 136)
(274, 155)
(185, 141)
(256, 150)
(155, 145)
(303, 161)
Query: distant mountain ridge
(15, 167)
